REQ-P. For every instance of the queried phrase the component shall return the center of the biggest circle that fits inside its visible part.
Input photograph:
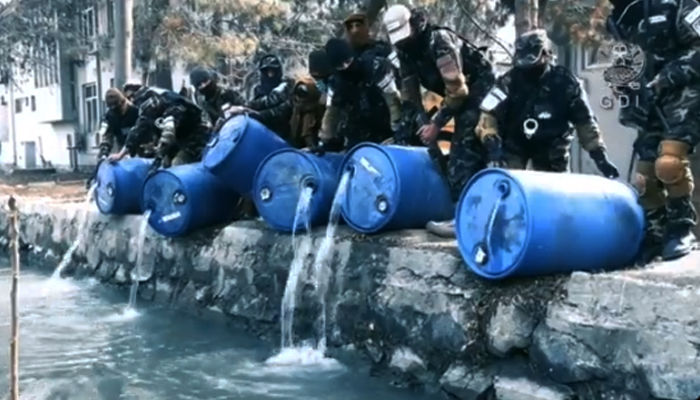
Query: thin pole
(14, 341)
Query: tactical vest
(545, 102)
(657, 35)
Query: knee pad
(672, 161)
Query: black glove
(104, 152)
(155, 165)
(603, 163)
(318, 149)
(494, 152)
(400, 134)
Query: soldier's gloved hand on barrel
(603, 163)
(494, 151)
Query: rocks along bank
(406, 302)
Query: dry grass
(63, 192)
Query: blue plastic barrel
(528, 223)
(186, 198)
(281, 180)
(236, 152)
(118, 190)
(392, 188)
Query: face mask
(208, 91)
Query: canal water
(78, 344)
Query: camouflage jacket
(370, 95)
(444, 63)
(160, 103)
(556, 101)
(213, 106)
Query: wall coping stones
(407, 302)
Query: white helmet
(396, 22)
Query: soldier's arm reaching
(275, 98)
(106, 136)
(331, 116)
(447, 53)
(232, 98)
(587, 130)
(487, 127)
(383, 77)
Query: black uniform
(120, 117)
(212, 97)
(530, 112)
(182, 129)
(667, 87)
(364, 86)
(271, 97)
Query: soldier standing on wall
(445, 63)
(271, 96)
(529, 113)
(668, 32)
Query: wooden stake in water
(14, 341)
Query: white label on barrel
(171, 217)
(366, 165)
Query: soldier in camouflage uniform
(364, 86)
(358, 35)
(445, 63)
(271, 95)
(215, 99)
(121, 115)
(528, 115)
(668, 32)
(182, 129)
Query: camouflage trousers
(467, 154)
(549, 156)
(189, 150)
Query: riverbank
(407, 303)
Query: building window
(88, 24)
(91, 108)
(18, 106)
(33, 103)
(110, 17)
(111, 82)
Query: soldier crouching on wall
(120, 117)
(308, 107)
(527, 116)
(214, 98)
(182, 130)
(443, 62)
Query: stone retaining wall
(407, 303)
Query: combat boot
(444, 229)
(652, 244)
(679, 240)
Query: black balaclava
(339, 52)
(531, 58)
(319, 66)
(270, 68)
(200, 76)
(130, 88)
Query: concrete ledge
(406, 302)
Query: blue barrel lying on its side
(118, 190)
(528, 223)
(393, 188)
(186, 198)
(281, 180)
(236, 152)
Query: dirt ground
(64, 191)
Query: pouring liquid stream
(322, 267)
(140, 272)
(82, 233)
(302, 247)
